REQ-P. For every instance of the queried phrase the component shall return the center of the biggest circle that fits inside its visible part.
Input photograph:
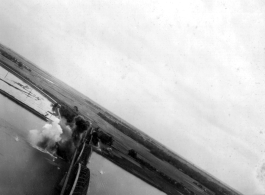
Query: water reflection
(109, 179)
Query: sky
(191, 74)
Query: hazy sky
(189, 74)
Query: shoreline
(23, 105)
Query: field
(132, 149)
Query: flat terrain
(150, 161)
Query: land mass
(129, 147)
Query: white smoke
(60, 131)
(45, 138)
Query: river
(24, 169)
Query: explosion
(46, 138)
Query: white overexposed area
(191, 74)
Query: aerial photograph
(132, 97)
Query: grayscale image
(132, 97)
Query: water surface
(24, 169)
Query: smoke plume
(46, 137)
